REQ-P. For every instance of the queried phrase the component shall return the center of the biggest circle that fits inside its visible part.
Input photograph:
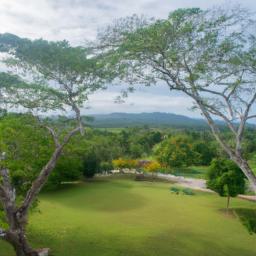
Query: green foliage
(75, 71)
(226, 178)
(122, 163)
(184, 191)
(16, 92)
(175, 190)
(176, 151)
(248, 218)
(91, 165)
(106, 166)
(152, 166)
(27, 146)
(188, 191)
(185, 44)
(206, 152)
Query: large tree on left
(42, 76)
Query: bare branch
(226, 99)
(241, 127)
(251, 117)
(214, 111)
(54, 136)
(215, 130)
(69, 135)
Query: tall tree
(42, 76)
(176, 151)
(208, 55)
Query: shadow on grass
(103, 195)
(117, 200)
(186, 242)
(247, 218)
(76, 185)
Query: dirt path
(198, 184)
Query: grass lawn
(197, 172)
(127, 218)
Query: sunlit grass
(123, 217)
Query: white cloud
(140, 101)
(78, 20)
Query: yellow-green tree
(152, 167)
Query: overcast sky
(78, 21)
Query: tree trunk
(250, 175)
(228, 201)
(18, 240)
(234, 155)
(247, 171)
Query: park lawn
(197, 172)
(123, 217)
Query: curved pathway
(198, 184)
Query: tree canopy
(209, 55)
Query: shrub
(124, 163)
(226, 178)
(188, 191)
(175, 190)
(106, 166)
(152, 166)
(90, 165)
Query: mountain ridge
(152, 119)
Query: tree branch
(226, 99)
(2, 191)
(74, 106)
(215, 112)
(69, 135)
(241, 127)
(44, 174)
(54, 136)
(6, 186)
(8, 196)
(215, 129)
(251, 117)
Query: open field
(197, 172)
(123, 217)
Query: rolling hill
(155, 119)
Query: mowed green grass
(197, 172)
(123, 217)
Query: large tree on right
(208, 55)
